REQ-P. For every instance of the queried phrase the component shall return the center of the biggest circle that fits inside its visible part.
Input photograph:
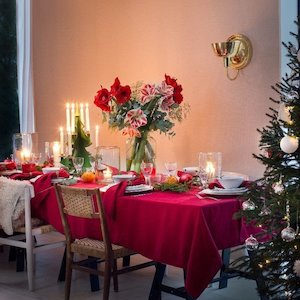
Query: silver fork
(206, 197)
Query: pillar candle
(97, 136)
(72, 127)
(68, 124)
(69, 139)
(87, 117)
(82, 114)
(61, 139)
(56, 153)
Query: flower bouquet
(141, 109)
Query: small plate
(123, 177)
(141, 188)
(58, 180)
(224, 192)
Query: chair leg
(107, 275)
(69, 261)
(62, 270)
(126, 261)
(115, 276)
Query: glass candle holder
(24, 144)
(110, 156)
(210, 165)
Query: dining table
(176, 229)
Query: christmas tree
(272, 204)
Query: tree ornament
(288, 234)
(284, 113)
(293, 95)
(278, 187)
(265, 211)
(248, 205)
(296, 267)
(251, 243)
(298, 55)
(289, 144)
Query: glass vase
(139, 149)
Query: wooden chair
(87, 203)
(24, 237)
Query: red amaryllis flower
(114, 88)
(136, 118)
(102, 99)
(177, 88)
(123, 94)
(148, 92)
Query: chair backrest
(83, 203)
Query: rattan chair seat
(96, 248)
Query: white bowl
(123, 177)
(191, 170)
(231, 182)
(47, 170)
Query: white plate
(138, 188)
(224, 192)
(123, 177)
(58, 180)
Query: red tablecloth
(171, 228)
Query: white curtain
(24, 65)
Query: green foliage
(9, 109)
(80, 141)
(173, 187)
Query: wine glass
(146, 169)
(171, 167)
(92, 162)
(78, 164)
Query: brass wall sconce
(236, 53)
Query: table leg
(155, 292)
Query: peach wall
(80, 44)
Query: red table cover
(171, 228)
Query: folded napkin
(217, 184)
(110, 197)
(43, 186)
(7, 165)
(25, 176)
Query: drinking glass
(78, 164)
(146, 169)
(92, 162)
(171, 167)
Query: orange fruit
(88, 176)
(171, 180)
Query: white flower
(297, 267)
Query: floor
(132, 286)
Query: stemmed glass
(146, 169)
(92, 162)
(171, 167)
(78, 164)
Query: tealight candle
(210, 170)
(25, 155)
(107, 174)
